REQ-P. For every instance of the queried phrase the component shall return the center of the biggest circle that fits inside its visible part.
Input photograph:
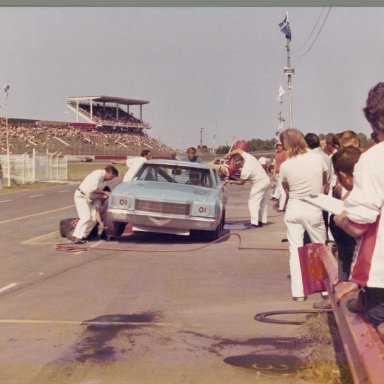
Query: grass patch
(327, 363)
(78, 171)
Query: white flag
(280, 94)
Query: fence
(38, 167)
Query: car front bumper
(151, 222)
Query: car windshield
(176, 174)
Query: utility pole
(201, 139)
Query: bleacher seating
(76, 141)
(106, 115)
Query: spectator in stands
(86, 210)
(364, 218)
(192, 156)
(252, 170)
(302, 174)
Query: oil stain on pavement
(94, 344)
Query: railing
(38, 167)
(362, 343)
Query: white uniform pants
(282, 194)
(301, 216)
(87, 216)
(258, 202)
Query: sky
(214, 68)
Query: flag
(285, 28)
(280, 94)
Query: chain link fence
(38, 167)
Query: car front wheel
(114, 228)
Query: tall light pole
(201, 139)
(6, 90)
(288, 70)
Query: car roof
(179, 163)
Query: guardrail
(362, 343)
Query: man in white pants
(86, 210)
(252, 170)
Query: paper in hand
(325, 202)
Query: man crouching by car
(86, 210)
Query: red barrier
(362, 343)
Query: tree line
(269, 144)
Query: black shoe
(78, 241)
(299, 299)
(284, 240)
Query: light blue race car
(169, 196)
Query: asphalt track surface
(103, 315)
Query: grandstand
(108, 111)
(109, 130)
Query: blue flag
(285, 28)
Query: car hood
(153, 190)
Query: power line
(318, 33)
(310, 35)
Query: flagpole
(289, 71)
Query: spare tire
(67, 226)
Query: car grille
(161, 207)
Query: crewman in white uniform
(252, 170)
(135, 163)
(86, 210)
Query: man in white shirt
(86, 210)
(313, 143)
(252, 170)
(135, 163)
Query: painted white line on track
(91, 246)
(32, 196)
(65, 190)
(36, 214)
(5, 201)
(9, 286)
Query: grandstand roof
(109, 99)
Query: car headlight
(123, 202)
(202, 210)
